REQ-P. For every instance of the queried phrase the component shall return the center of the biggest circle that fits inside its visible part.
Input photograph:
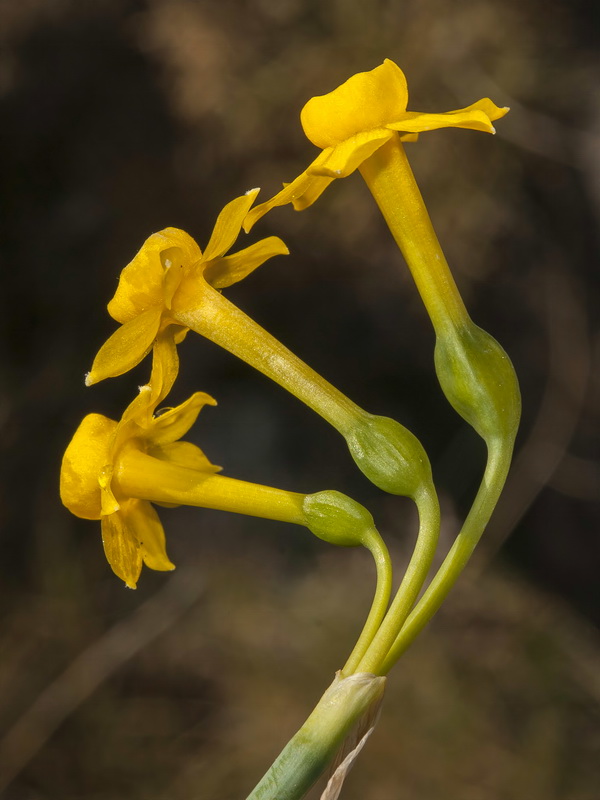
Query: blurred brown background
(119, 118)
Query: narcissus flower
(352, 122)
(114, 471)
(97, 468)
(168, 273)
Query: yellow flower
(355, 120)
(113, 471)
(92, 468)
(170, 272)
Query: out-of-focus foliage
(120, 118)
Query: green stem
(499, 457)
(380, 602)
(429, 527)
(307, 755)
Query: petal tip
(89, 379)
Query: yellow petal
(121, 548)
(302, 192)
(144, 523)
(228, 270)
(126, 347)
(342, 160)
(141, 281)
(108, 501)
(477, 117)
(489, 108)
(228, 225)
(138, 416)
(84, 458)
(179, 333)
(365, 101)
(165, 364)
(184, 454)
(175, 422)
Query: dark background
(119, 118)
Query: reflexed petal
(302, 192)
(228, 225)
(141, 281)
(185, 454)
(174, 423)
(342, 160)
(165, 364)
(230, 269)
(126, 347)
(489, 108)
(314, 189)
(84, 458)
(122, 549)
(477, 117)
(143, 521)
(365, 101)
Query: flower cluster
(114, 471)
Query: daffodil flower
(114, 471)
(92, 473)
(168, 275)
(357, 119)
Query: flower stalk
(307, 755)
(498, 463)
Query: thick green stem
(307, 755)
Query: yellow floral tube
(390, 179)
